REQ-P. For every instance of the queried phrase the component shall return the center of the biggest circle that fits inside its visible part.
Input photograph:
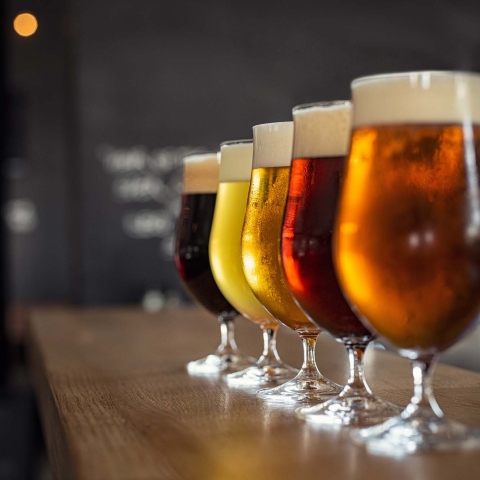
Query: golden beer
(225, 244)
(262, 262)
(408, 234)
(261, 248)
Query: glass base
(304, 388)
(260, 375)
(401, 436)
(350, 408)
(216, 364)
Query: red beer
(307, 246)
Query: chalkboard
(148, 80)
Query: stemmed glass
(272, 144)
(321, 138)
(226, 261)
(200, 184)
(408, 235)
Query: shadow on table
(20, 438)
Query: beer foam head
(322, 129)
(200, 173)
(416, 97)
(236, 161)
(272, 145)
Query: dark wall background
(36, 157)
(128, 86)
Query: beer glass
(321, 138)
(272, 154)
(408, 234)
(226, 261)
(200, 184)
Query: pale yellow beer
(261, 234)
(225, 237)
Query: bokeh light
(25, 24)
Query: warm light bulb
(25, 24)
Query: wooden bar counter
(117, 403)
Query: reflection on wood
(117, 403)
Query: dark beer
(191, 252)
(200, 185)
(307, 246)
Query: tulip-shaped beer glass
(320, 143)
(272, 154)
(226, 261)
(200, 183)
(408, 234)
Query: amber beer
(408, 238)
(263, 225)
(321, 139)
(193, 233)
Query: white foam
(236, 161)
(272, 145)
(200, 173)
(322, 130)
(417, 97)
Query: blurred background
(100, 100)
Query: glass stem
(269, 354)
(356, 381)
(423, 403)
(227, 332)
(309, 366)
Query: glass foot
(216, 364)
(304, 388)
(401, 436)
(350, 408)
(260, 375)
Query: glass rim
(228, 143)
(272, 123)
(200, 153)
(325, 104)
(432, 73)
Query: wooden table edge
(59, 455)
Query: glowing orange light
(25, 24)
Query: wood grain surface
(117, 403)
